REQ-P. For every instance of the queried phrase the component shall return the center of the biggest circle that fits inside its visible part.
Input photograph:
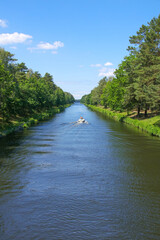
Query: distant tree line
(136, 84)
(24, 92)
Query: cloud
(96, 65)
(100, 65)
(3, 23)
(12, 38)
(49, 46)
(108, 64)
(104, 72)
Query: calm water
(66, 182)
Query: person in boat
(81, 119)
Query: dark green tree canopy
(24, 92)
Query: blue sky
(77, 41)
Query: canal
(96, 181)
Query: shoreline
(24, 123)
(150, 125)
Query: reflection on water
(99, 180)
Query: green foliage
(6, 92)
(69, 98)
(136, 84)
(94, 97)
(24, 92)
(157, 123)
(146, 49)
(115, 89)
(6, 58)
(86, 99)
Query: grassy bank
(150, 125)
(19, 123)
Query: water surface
(90, 181)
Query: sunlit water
(95, 181)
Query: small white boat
(81, 120)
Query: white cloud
(108, 64)
(96, 65)
(12, 38)
(49, 46)
(3, 23)
(104, 72)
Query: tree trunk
(138, 111)
(145, 113)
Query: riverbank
(19, 124)
(150, 125)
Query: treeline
(136, 84)
(24, 92)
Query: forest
(136, 83)
(24, 92)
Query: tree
(20, 72)
(7, 59)
(6, 92)
(95, 97)
(146, 48)
(24, 92)
(49, 80)
(59, 97)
